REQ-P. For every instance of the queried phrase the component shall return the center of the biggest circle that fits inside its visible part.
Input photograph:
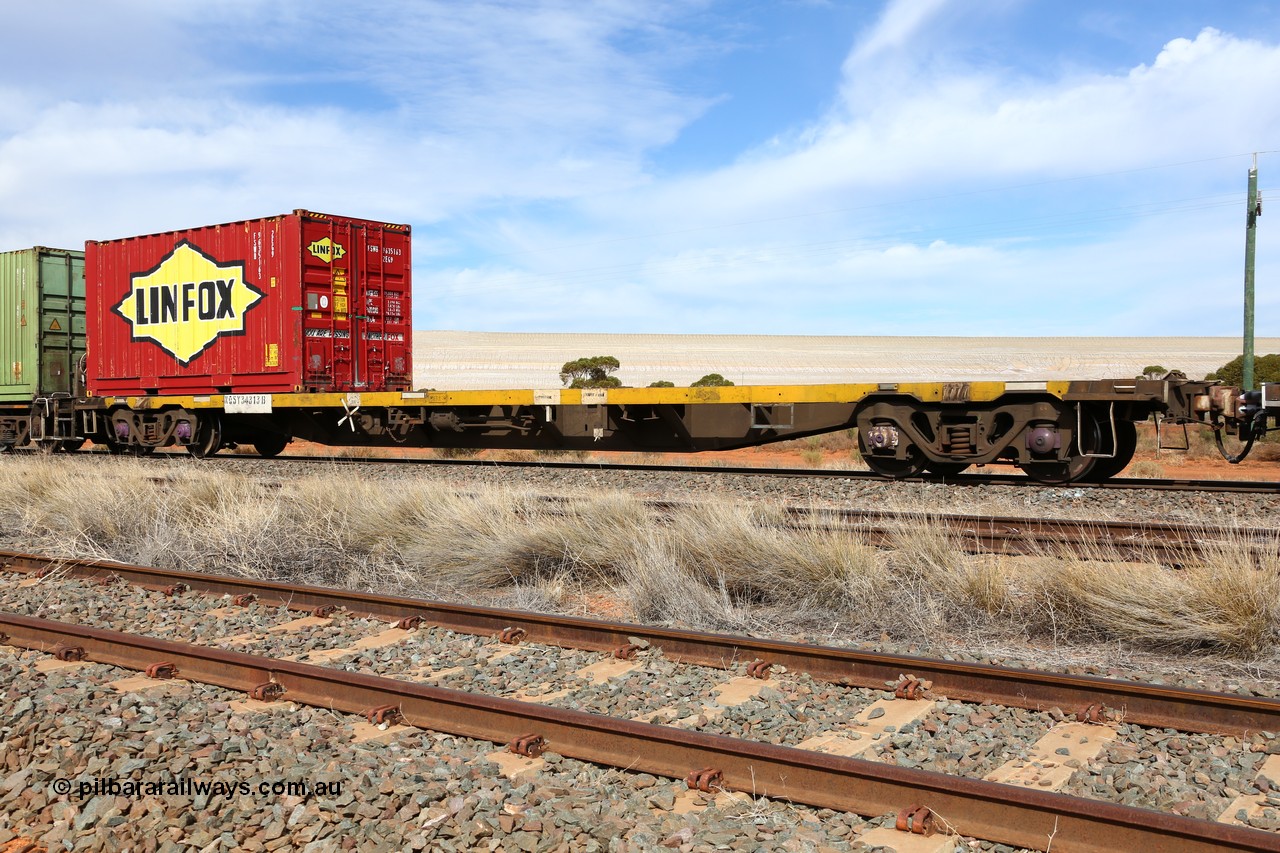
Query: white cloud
(181, 115)
(900, 20)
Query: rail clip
(175, 589)
(163, 669)
(917, 820)
(1094, 713)
(389, 714)
(759, 669)
(65, 652)
(324, 611)
(244, 599)
(909, 687)
(528, 745)
(707, 779)
(627, 652)
(267, 691)
(512, 636)
(410, 623)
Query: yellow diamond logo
(326, 250)
(187, 302)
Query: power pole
(1253, 211)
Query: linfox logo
(187, 302)
(326, 250)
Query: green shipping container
(42, 322)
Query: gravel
(422, 791)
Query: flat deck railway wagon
(299, 326)
(42, 343)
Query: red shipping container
(298, 302)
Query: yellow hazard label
(187, 302)
(55, 326)
(327, 250)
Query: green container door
(42, 322)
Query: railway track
(978, 534)
(969, 480)
(1187, 710)
(1018, 480)
(974, 808)
(826, 774)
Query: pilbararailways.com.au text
(187, 787)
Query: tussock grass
(718, 565)
(1146, 468)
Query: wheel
(270, 444)
(208, 438)
(71, 445)
(946, 469)
(1126, 446)
(1076, 466)
(894, 469)
(5, 448)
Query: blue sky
(921, 167)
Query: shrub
(592, 372)
(1266, 368)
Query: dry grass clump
(747, 558)
(1146, 468)
(717, 565)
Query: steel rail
(1150, 705)
(984, 534)
(1018, 480)
(1024, 535)
(1006, 814)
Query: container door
(383, 293)
(62, 321)
(19, 355)
(329, 252)
(355, 286)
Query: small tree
(1266, 368)
(711, 380)
(1154, 371)
(591, 372)
(662, 383)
